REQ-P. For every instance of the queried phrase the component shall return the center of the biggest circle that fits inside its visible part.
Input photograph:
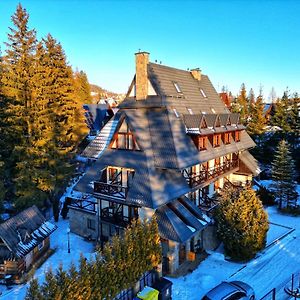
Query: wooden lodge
(24, 238)
(170, 147)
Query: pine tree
(242, 223)
(243, 105)
(283, 174)
(281, 116)
(17, 86)
(257, 122)
(34, 291)
(82, 89)
(50, 289)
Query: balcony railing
(113, 190)
(113, 217)
(195, 179)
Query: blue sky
(255, 42)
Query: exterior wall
(173, 255)
(29, 260)
(243, 179)
(209, 238)
(146, 213)
(79, 223)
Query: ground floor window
(91, 224)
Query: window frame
(91, 224)
(203, 93)
(177, 87)
(217, 140)
(203, 140)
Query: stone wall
(79, 223)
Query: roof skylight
(203, 93)
(177, 87)
(176, 113)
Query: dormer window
(177, 87)
(190, 111)
(203, 93)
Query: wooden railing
(108, 215)
(205, 175)
(112, 190)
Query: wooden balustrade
(211, 173)
(112, 190)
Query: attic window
(190, 111)
(203, 93)
(176, 113)
(177, 87)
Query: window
(190, 111)
(203, 93)
(226, 138)
(217, 140)
(176, 113)
(41, 246)
(203, 143)
(237, 136)
(114, 175)
(177, 87)
(91, 224)
(124, 139)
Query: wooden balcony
(82, 203)
(112, 190)
(195, 180)
(114, 217)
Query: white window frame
(40, 245)
(190, 111)
(176, 113)
(203, 93)
(177, 87)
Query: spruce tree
(82, 89)
(34, 291)
(281, 116)
(283, 175)
(17, 86)
(243, 104)
(257, 122)
(242, 223)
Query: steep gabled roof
(25, 231)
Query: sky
(233, 42)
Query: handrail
(195, 179)
(114, 190)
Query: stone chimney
(141, 75)
(196, 73)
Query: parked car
(233, 290)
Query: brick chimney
(141, 75)
(196, 73)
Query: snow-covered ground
(270, 269)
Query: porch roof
(180, 220)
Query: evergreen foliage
(118, 267)
(257, 120)
(41, 119)
(283, 174)
(281, 115)
(242, 223)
